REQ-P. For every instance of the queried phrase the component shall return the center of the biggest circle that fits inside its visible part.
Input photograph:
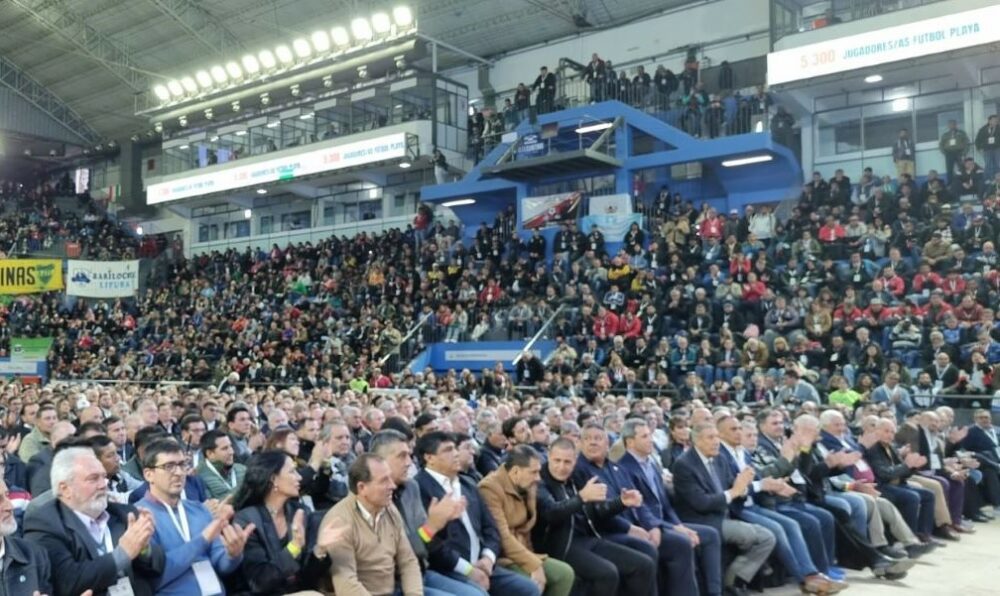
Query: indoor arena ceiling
(96, 55)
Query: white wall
(656, 36)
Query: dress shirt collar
(450, 486)
(371, 520)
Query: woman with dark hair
(281, 555)
(284, 439)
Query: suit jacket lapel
(71, 521)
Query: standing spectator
(596, 75)
(988, 142)
(545, 84)
(904, 154)
(954, 143)
(642, 86)
(522, 101)
(782, 126)
(440, 166)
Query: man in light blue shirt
(199, 549)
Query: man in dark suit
(702, 498)
(467, 548)
(40, 463)
(566, 529)
(667, 531)
(91, 543)
(26, 568)
(983, 440)
(545, 83)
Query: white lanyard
(182, 524)
(106, 538)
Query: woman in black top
(282, 555)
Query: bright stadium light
(302, 48)
(284, 54)
(361, 29)
(250, 64)
(204, 79)
(340, 36)
(175, 88)
(234, 70)
(189, 85)
(381, 23)
(321, 41)
(162, 93)
(267, 59)
(403, 16)
(219, 74)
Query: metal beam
(201, 25)
(57, 17)
(37, 95)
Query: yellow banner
(29, 276)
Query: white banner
(233, 175)
(903, 42)
(549, 211)
(102, 279)
(610, 205)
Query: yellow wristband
(294, 550)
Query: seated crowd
(179, 490)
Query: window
(838, 132)
(295, 221)
(934, 112)
(883, 122)
(208, 232)
(266, 224)
(237, 229)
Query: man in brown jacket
(375, 549)
(510, 495)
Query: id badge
(122, 588)
(797, 478)
(862, 465)
(952, 142)
(935, 461)
(208, 581)
(991, 140)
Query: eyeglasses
(174, 466)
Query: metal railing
(418, 336)
(539, 334)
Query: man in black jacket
(545, 83)
(94, 545)
(26, 569)
(566, 529)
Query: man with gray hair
(95, 545)
(330, 483)
(701, 480)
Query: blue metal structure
(613, 139)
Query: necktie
(713, 474)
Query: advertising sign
(30, 276)
(29, 349)
(922, 38)
(289, 167)
(549, 211)
(102, 279)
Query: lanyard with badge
(123, 587)
(208, 581)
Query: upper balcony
(799, 22)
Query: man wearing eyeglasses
(93, 544)
(199, 549)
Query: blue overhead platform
(612, 138)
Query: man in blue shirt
(199, 549)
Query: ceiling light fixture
(189, 85)
(381, 23)
(406, 164)
(267, 59)
(340, 36)
(745, 161)
(250, 64)
(162, 93)
(321, 41)
(875, 78)
(233, 70)
(901, 104)
(403, 16)
(176, 89)
(302, 48)
(219, 74)
(260, 191)
(361, 29)
(284, 54)
(204, 79)
(458, 202)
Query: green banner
(33, 349)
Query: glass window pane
(839, 132)
(932, 122)
(884, 121)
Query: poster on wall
(30, 276)
(102, 279)
(613, 227)
(611, 205)
(549, 211)
(30, 349)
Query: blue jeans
(503, 582)
(818, 529)
(791, 547)
(436, 584)
(854, 506)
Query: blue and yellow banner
(30, 276)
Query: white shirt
(453, 487)
(371, 521)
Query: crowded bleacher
(735, 395)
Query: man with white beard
(95, 545)
(25, 564)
